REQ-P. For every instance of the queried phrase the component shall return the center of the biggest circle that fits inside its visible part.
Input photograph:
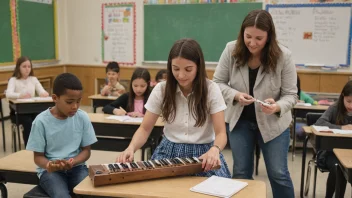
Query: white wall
(84, 30)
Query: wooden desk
(114, 135)
(344, 171)
(17, 167)
(21, 107)
(101, 101)
(299, 110)
(2, 121)
(169, 187)
(323, 141)
(20, 168)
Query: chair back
(311, 118)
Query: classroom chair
(14, 135)
(311, 119)
(36, 192)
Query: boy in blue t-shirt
(60, 138)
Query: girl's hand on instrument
(210, 159)
(125, 156)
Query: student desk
(100, 101)
(114, 135)
(345, 168)
(322, 141)
(21, 107)
(17, 167)
(166, 187)
(2, 121)
(300, 110)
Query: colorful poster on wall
(119, 33)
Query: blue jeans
(60, 184)
(242, 141)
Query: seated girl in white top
(193, 109)
(23, 84)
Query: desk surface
(307, 129)
(100, 97)
(344, 156)
(21, 161)
(169, 187)
(330, 134)
(313, 107)
(15, 101)
(101, 118)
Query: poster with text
(119, 33)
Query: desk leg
(18, 133)
(3, 190)
(303, 164)
(294, 135)
(339, 177)
(94, 109)
(3, 126)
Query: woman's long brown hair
(197, 101)
(341, 109)
(271, 52)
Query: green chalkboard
(36, 29)
(212, 25)
(6, 53)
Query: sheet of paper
(321, 128)
(43, 98)
(219, 186)
(125, 118)
(340, 131)
(25, 100)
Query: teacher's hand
(270, 109)
(244, 99)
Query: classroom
(86, 37)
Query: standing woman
(257, 67)
(23, 84)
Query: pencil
(123, 110)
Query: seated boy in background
(60, 138)
(113, 87)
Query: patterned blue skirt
(167, 150)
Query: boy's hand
(69, 164)
(55, 165)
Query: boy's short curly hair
(66, 81)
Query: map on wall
(119, 33)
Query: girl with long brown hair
(192, 108)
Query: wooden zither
(115, 173)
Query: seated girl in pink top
(132, 103)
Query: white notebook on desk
(219, 186)
(125, 118)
